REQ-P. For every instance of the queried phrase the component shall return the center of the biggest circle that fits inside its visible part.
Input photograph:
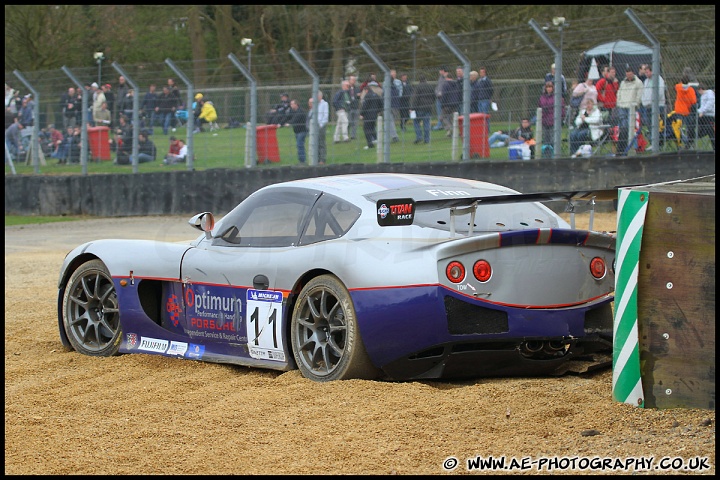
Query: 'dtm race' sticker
(264, 323)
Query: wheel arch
(71, 267)
(349, 359)
(74, 265)
(292, 299)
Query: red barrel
(479, 142)
(98, 140)
(267, 144)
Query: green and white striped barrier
(626, 378)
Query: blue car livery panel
(209, 322)
(356, 276)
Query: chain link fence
(516, 60)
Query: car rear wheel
(325, 336)
(90, 311)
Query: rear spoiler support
(472, 209)
(570, 208)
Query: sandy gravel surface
(66, 413)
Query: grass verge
(11, 220)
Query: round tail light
(482, 270)
(597, 267)
(455, 272)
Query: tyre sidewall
(354, 362)
(113, 346)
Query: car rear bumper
(432, 332)
(500, 359)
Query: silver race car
(355, 276)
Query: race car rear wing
(401, 211)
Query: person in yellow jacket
(208, 114)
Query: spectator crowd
(596, 107)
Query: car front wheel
(325, 336)
(90, 311)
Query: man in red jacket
(607, 88)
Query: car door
(233, 299)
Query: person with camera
(588, 127)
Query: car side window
(330, 218)
(267, 219)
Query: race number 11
(263, 325)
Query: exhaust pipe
(532, 347)
(556, 345)
(553, 347)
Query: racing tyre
(325, 336)
(91, 317)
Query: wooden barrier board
(676, 298)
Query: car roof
(356, 187)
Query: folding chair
(26, 137)
(616, 133)
(602, 144)
(638, 141)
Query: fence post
(191, 120)
(632, 139)
(83, 121)
(314, 126)
(453, 148)
(466, 100)
(136, 116)
(34, 141)
(251, 135)
(9, 159)
(387, 110)
(655, 80)
(379, 128)
(538, 133)
(557, 106)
